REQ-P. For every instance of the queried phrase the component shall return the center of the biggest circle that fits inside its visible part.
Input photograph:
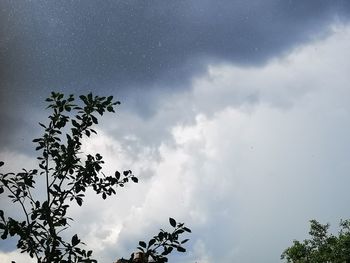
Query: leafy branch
(67, 174)
(67, 177)
(163, 244)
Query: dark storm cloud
(67, 43)
(116, 45)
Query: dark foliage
(67, 174)
(163, 244)
(322, 247)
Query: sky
(234, 115)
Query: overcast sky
(235, 116)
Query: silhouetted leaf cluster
(164, 243)
(322, 247)
(68, 174)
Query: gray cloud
(78, 46)
(131, 47)
(89, 44)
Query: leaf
(33, 216)
(42, 125)
(104, 196)
(170, 249)
(117, 175)
(75, 123)
(151, 242)
(172, 222)
(71, 98)
(181, 249)
(79, 201)
(184, 241)
(4, 235)
(1, 163)
(142, 244)
(161, 235)
(187, 229)
(134, 179)
(94, 119)
(83, 98)
(39, 147)
(75, 240)
(89, 96)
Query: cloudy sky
(235, 116)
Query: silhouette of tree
(322, 247)
(67, 175)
